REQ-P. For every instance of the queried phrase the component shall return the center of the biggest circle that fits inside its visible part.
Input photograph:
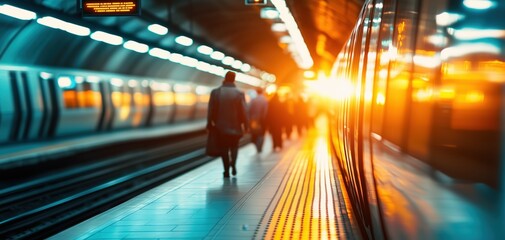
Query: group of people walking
(229, 118)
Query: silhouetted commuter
(257, 119)
(275, 121)
(301, 115)
(227, 115)
(289, 118)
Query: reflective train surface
(40, 103)
(417, 126)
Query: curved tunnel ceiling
(234, 28)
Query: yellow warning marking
(306, 208)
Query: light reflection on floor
(308, 207)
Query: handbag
(212, 148)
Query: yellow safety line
(306, 209)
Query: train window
(162, 96)
(204, 94)
(117, 92)
(465, 140)
(128, 94)
(88, 96)
(384, 55)
(426, 67)
(401, 53)
(184, 95)
(68, 86)
(371, 62)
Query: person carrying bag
(226, 122)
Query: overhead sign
(255, 2)
(110, 7)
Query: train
(63, 76)
(417, 126)
(42, 102)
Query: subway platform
(291, 194)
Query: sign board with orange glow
(110, 7)
(255, 2)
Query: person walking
(257, 119)
(227, 116)
(276, 115)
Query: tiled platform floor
(287, 194)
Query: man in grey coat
(227, 115)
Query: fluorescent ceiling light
(237, 64)
(219, 71)
(473, 34)
(228, 60)
(279, 27)
(135, 46)
(302, 57)
(204, 49)
(159, 53)
(269, 13)
(158, 29)
(65, 26)
(478, 4)
(175, 57)
(285, 39)
(189, 61)
(466, 49)
(106, 38)
(203, 66)
(247, 79)
(16, 12)
(446, 19)
(183, 40)
(245, 67)
(217, 55)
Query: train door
(37, 107)
(185, 100)
(203, 96)
(79, 104)
(7, 107)
(163, 103)
(365, 76)
(107, 113)
(122, 100)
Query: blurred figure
(257, 119)
(289, 118)
(227, 115)
(301, 115)
(275, 117)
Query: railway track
(45, 205)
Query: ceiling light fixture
(204, 50)
(183, 40)
(158, 29)
(16, 12)
(302, 55)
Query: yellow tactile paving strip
(308, 206)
